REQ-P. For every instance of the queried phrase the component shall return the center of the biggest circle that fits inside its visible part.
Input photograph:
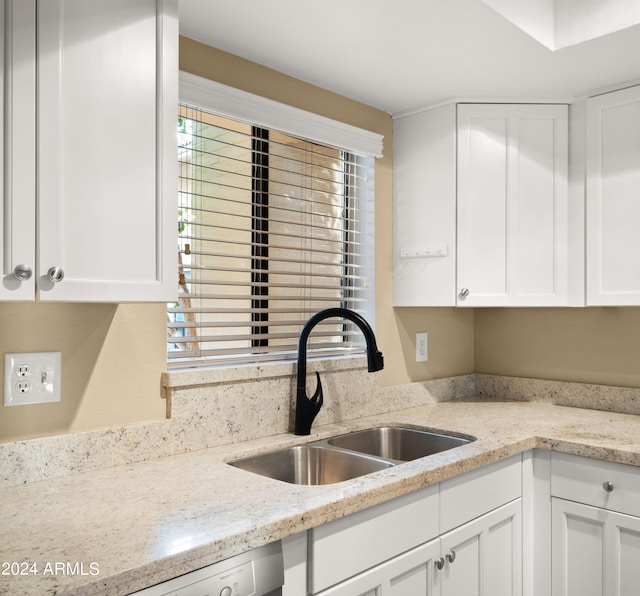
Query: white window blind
(272, 228)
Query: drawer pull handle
(451, 556)
(439, 563)
(608, 486)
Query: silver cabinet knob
(439, 563)
(451, 556)
(464, 292)
(22, 272)
(607, 486)
(55, 274)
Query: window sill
(176, 379)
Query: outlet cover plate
(421, 347)
(32, 378)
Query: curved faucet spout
(308, 408)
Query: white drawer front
(475, 493)
(347, 546)
(583, 480)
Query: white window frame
(239, 105)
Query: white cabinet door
(594, 551)
(408, 574)
(107, 165)
(424, 208)
(484, 556)
(578, 550)
(17, 159)
(512, 205)
(613, 201)
(624, 533)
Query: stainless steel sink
(348, 456)
(311, 464)
(397, 443)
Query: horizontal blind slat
(243, 356)
(254, 336)
(272, 279)
(277, 247)
(291, 260)
(283, 298)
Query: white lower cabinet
(480, 558)
(539, 524)
(595, 552)
(462, 537)
(595, 518)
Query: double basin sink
(349, 456)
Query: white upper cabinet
(18, 159)
(512, 196)
(613, 198)
(481, 210)
(106, 153)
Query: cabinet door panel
(487, 557)
(513, 240)
(482, 205)
(626, 571)
(613, 208)
(578, 549)
(18, 157)
(407, 574)
(502, 558)
(417, 580)
(424, 208)
(464, 575)
(109, 100)
(534, 215)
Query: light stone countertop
(131, 526)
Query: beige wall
(112, 358)
(590, 345)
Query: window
(272, 227)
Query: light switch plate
(32, 378)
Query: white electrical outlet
(421, 347)
(31, 378)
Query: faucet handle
(316, 398)
(307, 408)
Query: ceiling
(400, 55)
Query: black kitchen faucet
(307, 408)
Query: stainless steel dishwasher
(258, 572)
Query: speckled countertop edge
(147, 522)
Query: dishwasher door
(258, 572)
